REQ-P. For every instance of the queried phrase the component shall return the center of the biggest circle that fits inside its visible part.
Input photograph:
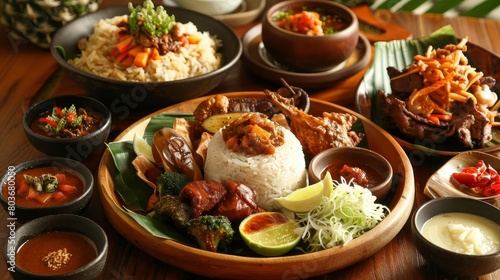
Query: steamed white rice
(271, 176)
(192, 60)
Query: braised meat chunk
(203, 196)
(240, 202)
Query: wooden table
(24, 68)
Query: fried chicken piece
(318, 133)
(240, 202)
(203, 196)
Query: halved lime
(305, 199)
(270, 233)
(141, 147)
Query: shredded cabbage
(346, 214)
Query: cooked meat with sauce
(240, 202)
(318, 133)
(203, 195)
(253, 134)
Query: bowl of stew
(354, 165)
(64, 246)
(309, 36)
(46, 186)
(67, 126)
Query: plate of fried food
(436, 95)
(236, 153)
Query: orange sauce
(55, 252)
(22, 198)
(373, 177)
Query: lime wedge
(307, 198)
(270, 233)
(141, 147)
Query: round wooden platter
(238, 267)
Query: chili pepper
(59, 111)
(49, 122)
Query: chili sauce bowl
(378, 170)
(456, 264)
(86, 236)
(22, 210)
(299, 52)
(77, 148)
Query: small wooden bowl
(305, 53)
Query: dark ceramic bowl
(305, 53)
(66, 222)
(23, 214)
(75, 148)
(455, 264)
(129, 94)
(367, 160)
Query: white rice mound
(192, 59)
(271, 176)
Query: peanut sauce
(55, 252)
(253, 134)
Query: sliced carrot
(156, 54)
(442, 117)
(135, 50)
(260, 131)
(32, 193)
(193, 39)
(58, 195)
(231, 142)
(121, 57)
(43, 197)
(128, 61)
(23, 188)
(141, 59)
(65, 188)
(433, 119)
(153, 199)
(114, 53)
(123, 45)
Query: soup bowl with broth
(460, 236)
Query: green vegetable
(45, 183)
(59, 118)
(171, 183)
(211, 231)
(155, 21)
(346, 214)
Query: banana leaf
(162, 120)
(399, 54)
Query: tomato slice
(465, 178)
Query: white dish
(246, 13)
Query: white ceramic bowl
(210, 7)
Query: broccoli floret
(171, 183)
(211, 231)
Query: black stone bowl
(76, 206)
(455, 264)
(65, 222)
(127, 95)
(74, 148)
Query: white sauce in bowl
(463, 233)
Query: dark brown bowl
(126, 95)
(455, 264)
(65, 222)
(354, 156)
(303, 53)
(76, 206)
(77, 148)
